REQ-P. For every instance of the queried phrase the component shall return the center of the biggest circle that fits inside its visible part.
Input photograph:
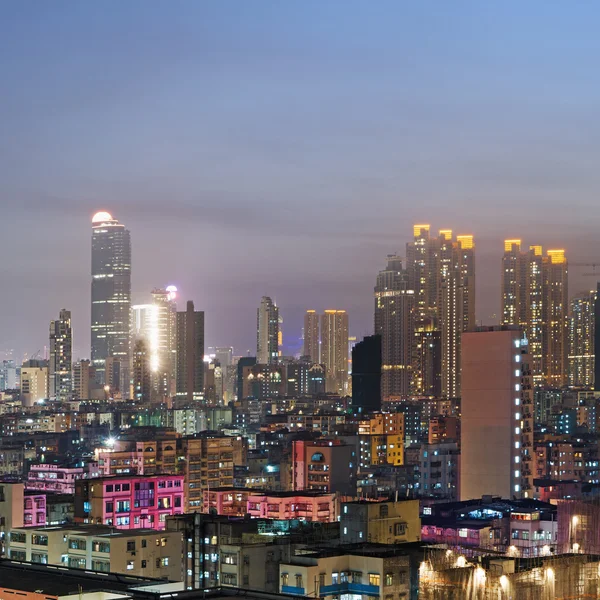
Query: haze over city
(286, 149)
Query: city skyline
(219, 146)
(293, 341)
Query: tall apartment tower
(142, 372)
(267, 338)
(394, 310)
(597, 340)
(441, 272)
(582, 324)
(535, 297)
(163, 341)
(190, 353)
(82, 376)
(311, 336)
(334, 350)
(60, 372)
(496, 414)
(111, 294)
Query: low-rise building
(304, 506)
(360, 573)
(131, 502)
(97, 548)
(380, 522)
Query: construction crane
(592, 273)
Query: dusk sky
(284, 148)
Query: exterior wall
(131, 502)
(439, 470)
(322, 508)
(232, 502)
(496, 420)
(380, 522)
(324, 466)
(143, 554)
(54, 478)
(358, 576)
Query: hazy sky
(284, 148)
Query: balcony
(347, 587)
(295, 591)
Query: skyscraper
(111, 294)
(142, 372)
(334, 350)
(441, 272)
(190, 353)
(496, 414)
(60, 376)
(311, 336)
(457, 286)
(535, 297)
(155, 323)
(394, 312)
(267, 338)
(366, 375)
(556, 306)
(581, 340)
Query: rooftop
(60, 581)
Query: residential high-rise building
(311, 336)
(394, 304)
(166, 340)
(441, 272)
(535, 297)
(597, 340)
(8, 375)
(334, 350)
(496, 414)
(556, 307)
(82, 377)
(267, 339)
(111, 295)
(190, 353)
(457, 286)
(60, 376)
(428, 371)
(156, 324)
(142, 372)
(366, 375)
(581, 340)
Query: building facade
(60, 373)
(111, 295)
(496, 414)
(267, 337)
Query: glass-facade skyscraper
(111, 295)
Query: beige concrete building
(375, 573)
(497, 414)
(380, 522)
(334, 350)
(143, 552)
(34, 383)
(311, 336)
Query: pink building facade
(54, 478)
(34, 510)
(130, 502)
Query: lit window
(517, 488)
(517, 431)
(517, 387)
(517, 401)
(518, 416)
